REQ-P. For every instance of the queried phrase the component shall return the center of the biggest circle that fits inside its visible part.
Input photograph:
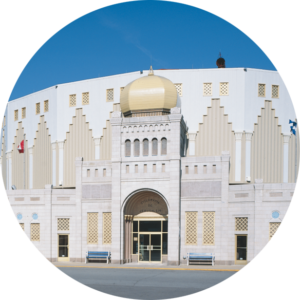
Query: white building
(151, 167)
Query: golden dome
(148, 95)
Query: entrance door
(150, 248)
(63, 247)
(241, 249)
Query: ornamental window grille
(85, 98)
(37, 108)
(127, 148)
(136, 148)
(178, 87)
(46, 105)
(154, 146)
(35, 232)
(16, 115)
(163, 146)
(110, 95)
(191, 224)
(92, 228)
(208, 228)
(63, 224)
(261, 90)
(145, 147)
(106, 228)
(22, 226)
(23, 112)
(224, 88)
(72, 100)
(207, 89)
(273, 228)
(241, 224)
(275, 91)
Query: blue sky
(129, 37)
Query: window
(104, 172)
(214, 169)
(136, 148)
(46, 105)
(261, 90)
(127, 169)
(121, 89)
(63, 224)
(195, 169)
(22, 226)
(207, 89)
(88, 173)
(96, 173)
(35, 232)
(85, 98)
(154, 146)
(163, 168)
(154, 168)
(92, 228)
(72, 100)
(273, 228)
(127, 148)
(163, 146)
(241, 224)
(145, 168)
(178, 87)
(106, 228)
(275, 91)
(136, 168)
(191, 224)
(16, 115)
(224, 88)
(110, 95)
(37, 108)
(23, 112)
(204, 169)
(208, 228)
(145, 147)
(186, 169)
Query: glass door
(241, 249)
(155, 254)
(144, 253)
(63, 247)
(150, 247)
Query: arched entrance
(146, 227)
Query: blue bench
(200, 257)
(97, 255)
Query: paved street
(146, 284)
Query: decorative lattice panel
(207, 89)
(85, 98)
(261, 90)
(38, 108)
(22, 226)
(46, 105)
(63, 224)
(92, 228)
(110, 95)
(208, 228)
(241, 224)
(275, 91)
(179, 88)
(72, 100)
(273, 228)
(16, 115)
(224, 88)
(106, 228)
(35, 232)
(23, 112)
(191, 232)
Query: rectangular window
(275, 91)
(186, 169)
(145, 168)
(106, 228)
(273, 228)
(23, 112)
(127, 169)
(16, 115)
(196, 169)
(136, 168)
(96, 173)
(241, 224)
(72, 100)
(214, 169)
(178, 87)
(163, 169)
(224, 88)
(35, 232)
(92, 228)
(191, 228)
(22, 226)
(207, 89)
(208, 228)
(63, 224)
(204, 169)
(85, 98)
(88, 173)
(110, 95)
(241, 249)
(104, 172)
(37, 108)
(154, 168)
(261, 90)
(46, 105)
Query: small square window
(16, 115)
(85, 98)
(46, 105)
(275, 91)
(72, 100)
(178, 87)
(23, 112)
(224, 88)
(37, 108)
(207, 89)
(261, 90)
(110, 95)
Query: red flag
(21, 147)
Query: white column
(286, 139)
(238, 155)
(61, 162)
(97, 148)
(8, 171)
(30, 167)
(248, 154)
(53, 146)
(192, 143)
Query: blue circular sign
(35, 216)
(19, 216)
(275, 214)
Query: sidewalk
(182, 267)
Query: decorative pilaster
(61, 162)
(286, 139)
(97, 147)
(238, 155)
(53, 147)
(248, 154)
(192, 143)
(30, 167)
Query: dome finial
(151, 73)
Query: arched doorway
(146, 227)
